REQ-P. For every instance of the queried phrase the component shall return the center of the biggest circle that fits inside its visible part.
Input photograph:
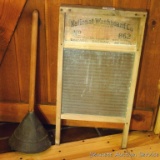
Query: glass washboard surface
(98, 59)
(96, 82)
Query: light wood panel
(148, 152)
(139, 142)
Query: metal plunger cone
(30, 136)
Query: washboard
(98, 59)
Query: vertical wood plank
(149, 75)
(42, 84)
(10, 11)
(9, 87)
(59, 77)
(147, 90)
(22, 37)
(51, 21)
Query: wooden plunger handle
(33, 61)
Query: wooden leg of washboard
(125, 135)
(58, 130)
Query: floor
(80, 143)
(141, 146)
(68, 134)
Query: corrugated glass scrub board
(99, 52)
(96, 82)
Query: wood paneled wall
(14, 70)
(9, 15)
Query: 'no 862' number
(124, 36)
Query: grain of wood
(83, 149)
(10, 12)
(9, 85)
(148, 152)
(51, 19)
(147, 92)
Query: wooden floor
(141, 145)
(68, 134)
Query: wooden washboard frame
(111, 34)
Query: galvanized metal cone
(30, 136)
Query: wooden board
(86, 87)
(141, 119)
(6, 83)
(147, 88)
(148, 152)
(139, 143)
(10, 12)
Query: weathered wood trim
(103, 47)
(92, 118)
